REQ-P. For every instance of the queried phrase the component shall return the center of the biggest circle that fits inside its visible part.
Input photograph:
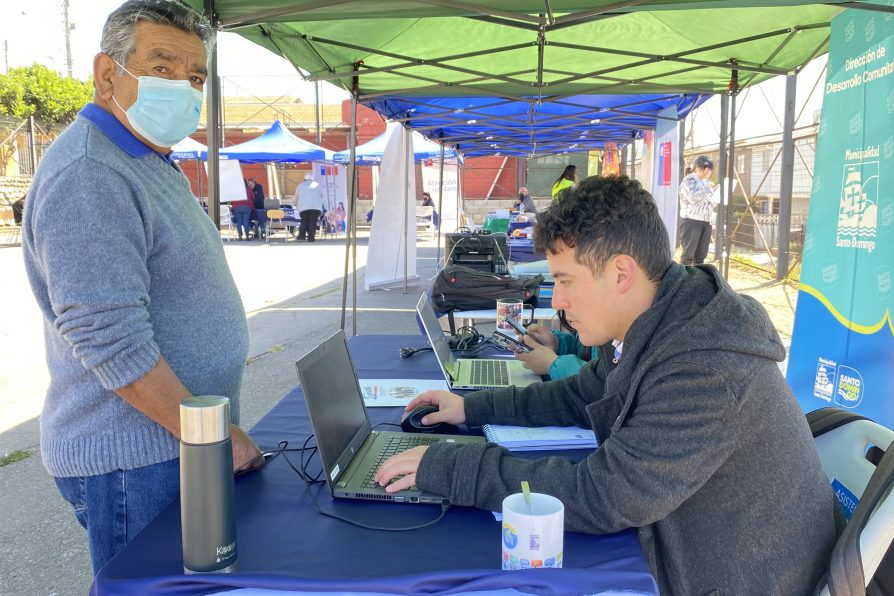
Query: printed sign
(843, 346)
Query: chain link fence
(752, 217)
(23, 144)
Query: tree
(40, 92)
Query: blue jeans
(114, 507)
(243, 220)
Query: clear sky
(33, 31)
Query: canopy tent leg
(720, 236)
(731, 168)
(409, 158)
(349, 228)
(788, 173)
(633, 156)
(440, 204)
(213, 123)
(682, 147)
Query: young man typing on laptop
(703, 447)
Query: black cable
(315, 479)
(407, 352)
(266, 457)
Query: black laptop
(351, 451)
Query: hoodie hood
(694, 310)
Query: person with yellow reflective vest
(568, 179)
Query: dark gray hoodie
(703, 448)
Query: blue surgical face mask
(165, 111)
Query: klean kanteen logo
(858, 207)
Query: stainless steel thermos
(206, 485)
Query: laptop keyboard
(489, 372)
(396, 444)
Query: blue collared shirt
(112, 127)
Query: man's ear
(623, 272)
(104, 72)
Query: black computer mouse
(412, 422)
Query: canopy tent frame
(645, 58)
(578, 13)
(529, 127)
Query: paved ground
(292, 295)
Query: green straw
(526, 491)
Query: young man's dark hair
(604, 217)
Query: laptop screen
(436, 335)
(334, 402)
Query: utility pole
(6, 54)
(68, 28)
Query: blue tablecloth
(521, 250)
(284, 544)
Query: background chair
(856, 458)
(273, 216)
(425, 219)
(226, 219)
(11, 230)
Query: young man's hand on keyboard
(403, 464)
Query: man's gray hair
(119, 40)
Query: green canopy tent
(539, 50)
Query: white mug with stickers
(532, 538)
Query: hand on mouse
(451, 407)
(406, 464)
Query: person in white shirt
(309, 204)
(696, 209)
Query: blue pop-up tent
(276, 144)
(531, 126)
(370, 153)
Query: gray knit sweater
(126, 267)
(703, 448)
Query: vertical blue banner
(842, 351)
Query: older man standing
(147, 314)
(309, 204)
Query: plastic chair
(226, 217)
(273, 215)
(848, 444)
(425, 219)
(8, 226)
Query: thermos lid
(204, 419)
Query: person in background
(242, 210)
(696, 211)
(568, 179)
(129, 315)
(701, 440)
(257, 198)
(428, 202)
(18, 207)
(309, 204)
(524, 203)
(556, 353)
(340, 216)
(257, 193)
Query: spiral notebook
(536, 438)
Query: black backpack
(463, 288)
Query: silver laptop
(351, 451)
(470, 373)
